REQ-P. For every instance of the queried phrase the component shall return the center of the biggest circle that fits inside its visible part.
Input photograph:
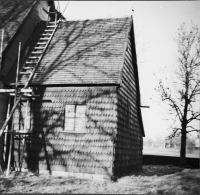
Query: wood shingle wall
(128, 152)
(50, 147)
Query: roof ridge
(93, 19)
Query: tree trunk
(183, 146)
(184, 125)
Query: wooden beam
(7, 115)
(10, 116)
(1, 45)
(144, 106)
(17, 132)
(15, 100)
(29, 90)
(25, 129)
(24, 92)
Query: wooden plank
(13, 90)
(18, 132)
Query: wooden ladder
(28, 69)
(32, 63)
(36, 55)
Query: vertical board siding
(128, 151)
(50, 147)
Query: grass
(148, 150)
(152, 180)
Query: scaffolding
(26, 93)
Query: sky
(156, 24)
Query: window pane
(80, 110)
(80, 124)
(69, 124)
(69, 111)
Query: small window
(75, 118)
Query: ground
(153, 180)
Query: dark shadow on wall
(11, 15)
(47, 147)
(25, 52)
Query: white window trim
(75, 118)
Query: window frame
(75, 118)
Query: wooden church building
(84, 117)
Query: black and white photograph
(99, 97)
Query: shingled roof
(85, 52)
(12, 14)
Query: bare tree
(182, 97)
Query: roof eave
(124, 53)
(136, 77)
